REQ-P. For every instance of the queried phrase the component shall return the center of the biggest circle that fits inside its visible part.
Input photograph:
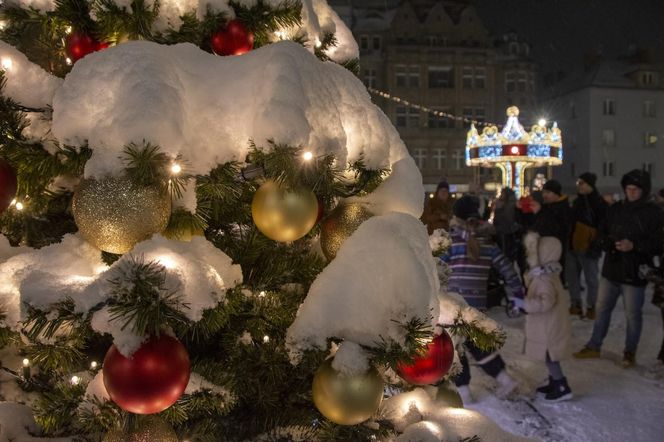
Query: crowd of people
(548, 251)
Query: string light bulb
(266, 339)
(19, 206)
(307, 156)
(26, 362)
(68, 61)
(93, 365)
(176, 169)
(262, 294)
(68, 30)
(75, 380)
(7, 63)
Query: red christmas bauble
(430, 367)
(152, 379)
(8, 185)
(78, 45)
(234, 39)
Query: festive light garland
(428, 109)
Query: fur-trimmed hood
(542, 251)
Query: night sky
(561, 31)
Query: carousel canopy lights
(514, 149)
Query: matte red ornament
(430, 367)
(234, 39)
(8, 185)
(151, 380)
(78, 45)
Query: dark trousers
(492, 365)
(661, 350)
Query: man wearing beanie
(630, 236)
(588, 212)
(438, 210)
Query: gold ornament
(185, 235)
(339, 225)
(347, 400)
(148, 429)
(284, 214)
(114, 214)
(448, 395)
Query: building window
(649, 139)
(510, 81)
(648, 78)
(441, 77)
(459, 158)
(364, 42)
(514, 48)
(407, 117)
(467, 77)
(473, 77)
(440, 157)
(609, 106)
(407, 76)
(420, 156)
(650, 168)
(480, 78)
(370, 77)
(480, 114)
(649, 109)
(607, 168)
(474, 114)
(522, 81)
(608, 138)
(436, 122)
(376, 42)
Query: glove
(515, 308)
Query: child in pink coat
(548, 327)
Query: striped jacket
(470, 278)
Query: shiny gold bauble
(148, 429)
(114, 214)
(347, 400)
(448, 395)
(339, 225)
(284, 214)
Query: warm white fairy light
(176, 168)
(281, 35)
(307, 156)
(19, 206)
(431, 195)
(26, 362)
(2, 24)
(68, 30)
(75, 380)
(6, 63)
(167, 261)
(266, 339)
(93, 365)
(68, 61)
(262, 294)
(318, 43)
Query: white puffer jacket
(548, 325)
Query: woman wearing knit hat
(438, 209)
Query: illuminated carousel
(513, 150)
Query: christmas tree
(210, 233)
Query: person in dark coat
(438, 210)
(630, 237)
(588, 212)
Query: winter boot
(590, 313)
(544, 389)
(576, 310)
(466, 397)
(629, 359)
(506, 384)
(587, 353)
(559, 391)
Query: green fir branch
(330, 432)
(56, 410)
(97, 416)
(141, 300)
(64, 356)
(264, 20)
(117, 22)
(483, 339)
(417, 334)
(76, 13)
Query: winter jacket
(591, 211)
(469, 278)
(548, 325)
(437, 213)
(555, 219)
(504, 215)
(641, 223)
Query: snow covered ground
(610, 403)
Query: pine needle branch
(486, 340)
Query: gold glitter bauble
(148, 429)
(347, 400)
(284, 214)
(114, 214)
(339, 225)
(448, 395)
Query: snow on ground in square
(610, 403)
